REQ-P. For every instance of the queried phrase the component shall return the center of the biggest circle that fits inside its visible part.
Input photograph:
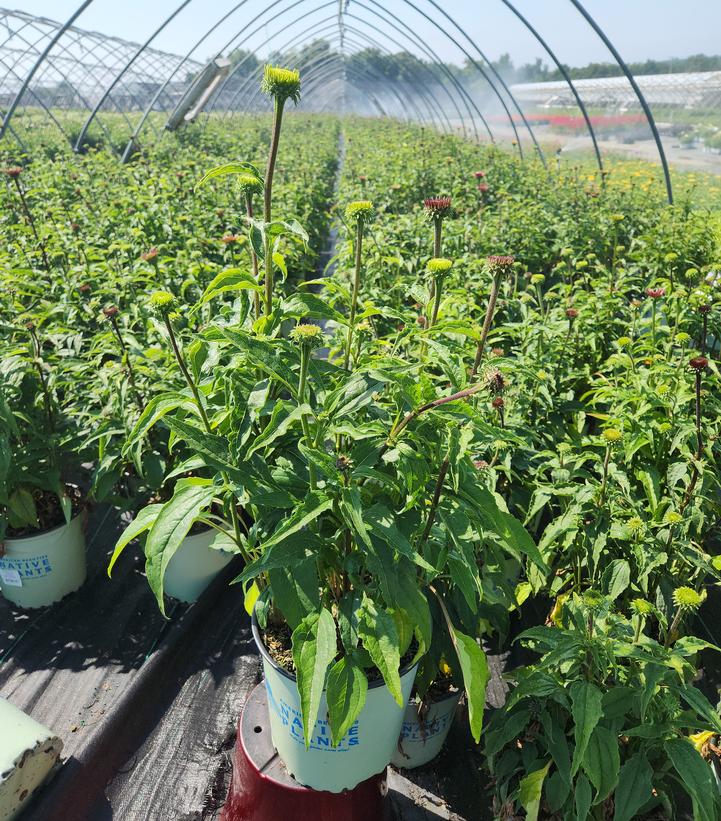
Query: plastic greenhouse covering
(359, 56)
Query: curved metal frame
(315, 30)
(566, 76)
(55, 50)
(641, 99)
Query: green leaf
(507, 528)
(170, 528)
(377, 631)
(212, 448)
(601, 762)
(21, 509)
(230, 168)
(530, 790)
(582, 798)
(314, 648)
(155, 410)
(616, 578)
(232, 279)
(261, 354)
(696, 778)
(310, 306)
(346, 694)
(474, 668)
(698, 702)
(142, 522)
(351, 508)
(280, 422)
(586, 711)
(314, 504)
(296, 590)
(634, 787)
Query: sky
(640, 29)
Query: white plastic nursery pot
(28, 752)
(194, 565)
(36, 571)
(364, 751)
(420, 743)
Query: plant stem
(605, 476)
(356, 288)
(304, 362)
(253, 257)
(186, 373)
(29, 215)
(434, 504)
(672, 629)
(436, 403)
(43, 381)
(487, 323)
(128, 365)
(438, 283)
(267, 203)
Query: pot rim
(255, 627)
(47, 531)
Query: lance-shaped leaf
(346, 695)
(142, 522)
(314, 648)
(474, 669)
(228, 169)
(155, 410)
(586, 709)
(170, 528)
(530, 790)
(232, 279)
(314, 504)
(377, 631)
(280, 422)
(695, 774)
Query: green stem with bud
(304, 362)
(356, 289)
(268, 200)
(206, 424)
(487, 323)
(253, 257)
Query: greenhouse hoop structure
(73, 78)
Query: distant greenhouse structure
(412, 61)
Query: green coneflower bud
(307, 335)
(281, 83)
(635, 525)
(611, 435)
(593, 600)
(617, 217)
(162, 301)
(641, 607)
(564, 447)
(359, 211)
(624, 341)
(672, 518)
(249, 185)
(439, 265)
(537, 279)
(682, 337)
(686, 598)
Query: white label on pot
(30, 568)
(321, 737)
(11, 578)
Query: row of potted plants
(481, 432)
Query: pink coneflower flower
(655, 293)
(498, 402)
(84, 288)
(698, 363)
(479, 175)
(229, 239)
(111, 311)
(498, 352)
(480, 464)
(571, 313)
(437, 207)
(704, 309)
(149, 255)
(421, 320)
(13, 172)
(362, 178)
(500, 264)
(483, 188)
